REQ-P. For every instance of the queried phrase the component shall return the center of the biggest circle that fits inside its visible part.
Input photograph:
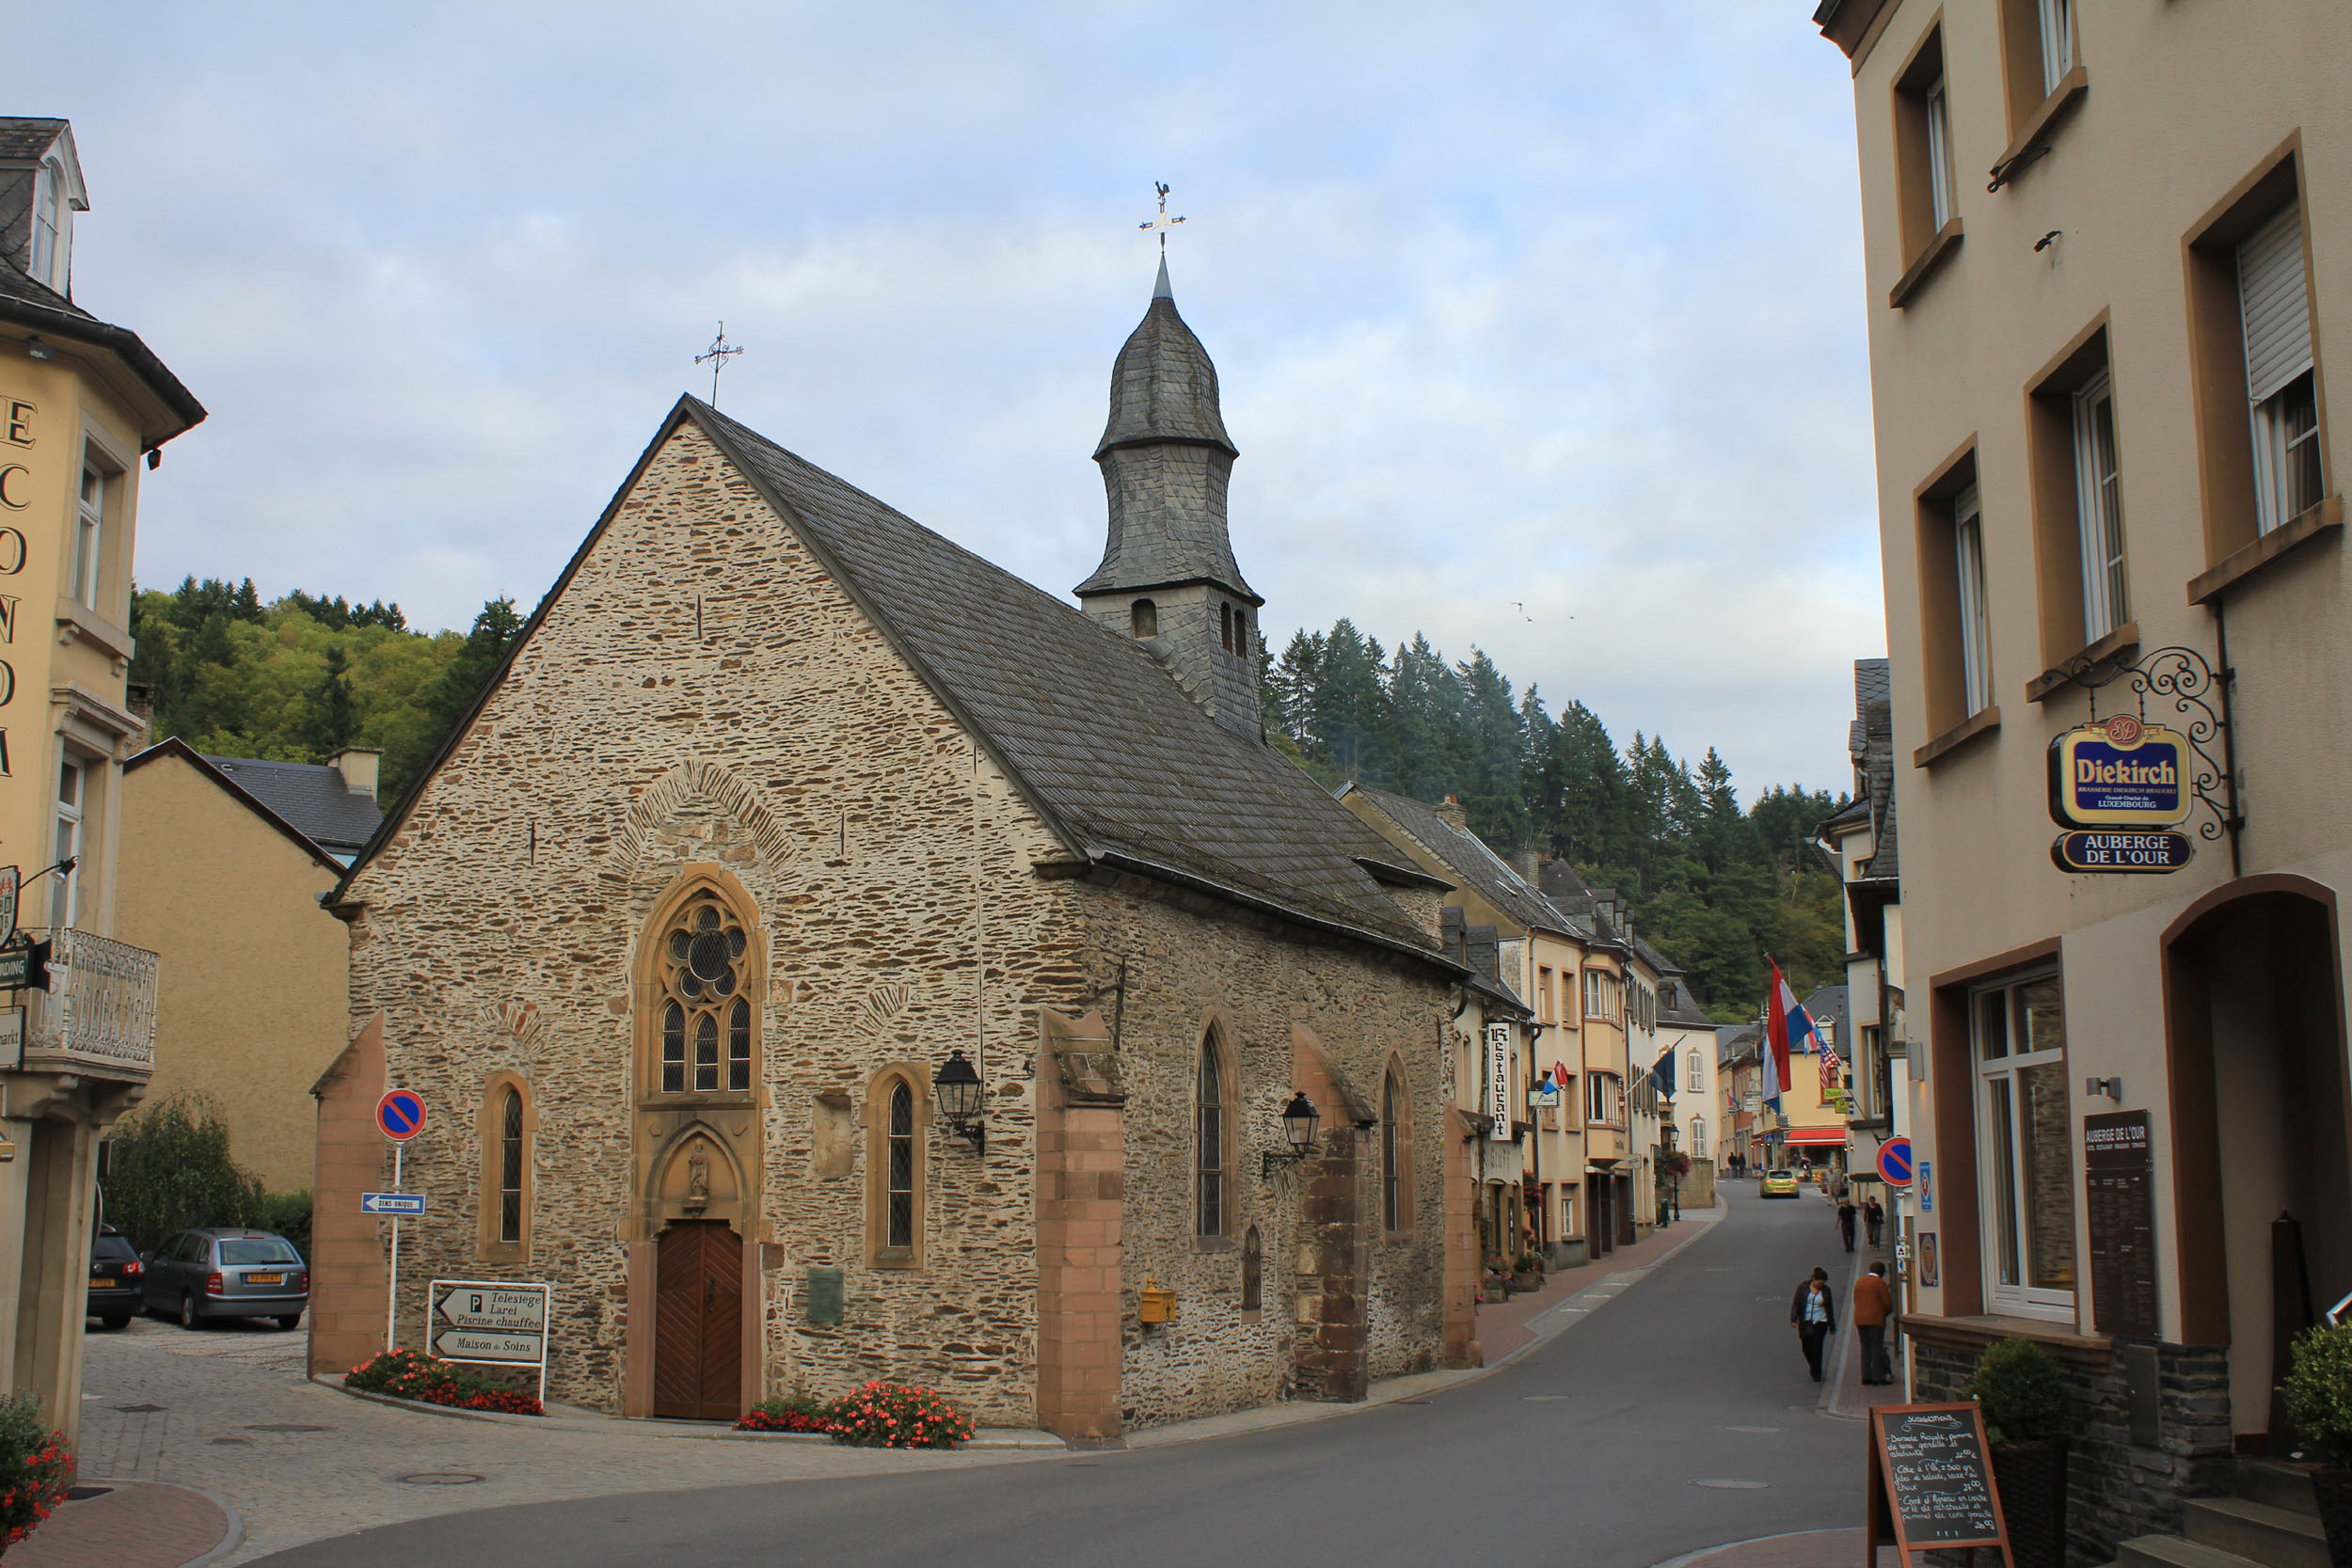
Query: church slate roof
(1466, 855)
(1126, 767)
(1163, 383)
(309, 797)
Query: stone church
(825, 956)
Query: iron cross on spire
(1162, 224)
(718, 354)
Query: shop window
(2025, 1131)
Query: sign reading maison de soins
(2120, 786)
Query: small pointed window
(1391, 1183)
(1252, 1269)
(511, 1167)
(1225, 625)
(899, 1230)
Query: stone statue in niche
(697, 1179)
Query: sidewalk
(1813, 1548)
(1846, 1394)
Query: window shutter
(2271, 298)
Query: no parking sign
(1895, 1162)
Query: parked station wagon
(223, 1272)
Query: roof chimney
(1524, 864)
(1449, 811)
(359, 765)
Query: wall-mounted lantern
(1298, 1131)
(960, 1093)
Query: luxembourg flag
(1786, 1025)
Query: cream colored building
(2107, 250)
(84, 405)
(249, 1011)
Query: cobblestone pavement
(226, 1408)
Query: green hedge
(170, 1168)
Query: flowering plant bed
(34, 1466)
(407, 1375)
(797, 1413)
(871, 1416)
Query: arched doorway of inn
(2261, 1115)
(693, 1342)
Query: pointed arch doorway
(698, 1322)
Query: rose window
(701, 973)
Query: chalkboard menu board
(1932, 1480)
(2118, 1170)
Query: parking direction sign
(392, 1203)
(401, 1115)
(494, 1322)
(1895, 1162)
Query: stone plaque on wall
(2119, 1175)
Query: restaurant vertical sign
(18, 417)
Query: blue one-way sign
(392, 1203)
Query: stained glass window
(510, 1169)
(703, 975)
(900, 1232)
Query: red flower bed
(34, 1466)
(874, 1416)
(407, 1375)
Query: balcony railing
(99, 1014)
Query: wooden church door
(698, 1323)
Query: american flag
(1832, 1071)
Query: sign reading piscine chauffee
(2119, 773)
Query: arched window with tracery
(704, 966)
(1209, 1141)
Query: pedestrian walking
(1873, 1218)
(1815, 1313)
(1846, 1213)
(1873, 1303)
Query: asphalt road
(1596, 1449)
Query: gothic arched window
(706, 1021)
(899, 1230)
(1252, 1269)
(1209, 1142)
(511, 1166)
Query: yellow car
(1779, 1183)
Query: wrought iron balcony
(98, 1016)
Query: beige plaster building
(249, 1011)
(2108, 249)
(82, 402)
(786, 827)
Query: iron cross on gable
(718, 354)
(1162, 224)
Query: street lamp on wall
(959, 1092)
(1298, 1132)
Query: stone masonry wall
(2115, 1490)
(1187, 968)
(704, 694)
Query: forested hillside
(1712, 886)
(296, 678)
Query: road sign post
(400, 1116)
(411, 1204)
(491, 1322)
(1895, 1162)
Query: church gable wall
(1264, 992)
(705, 700)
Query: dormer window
(1144, 618)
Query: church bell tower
(1168, 577)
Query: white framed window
(73, 801)
(89, 524)
(52, 213)
(2274, 308)
(2024, 1143)
(1698, 1137)
(1976, 622)
(2057, 42)
(2099, 498)
(1699, 1069)
(1939, 115)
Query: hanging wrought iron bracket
(2184, 686)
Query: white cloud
(1532, 303)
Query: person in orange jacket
(1873, 1303)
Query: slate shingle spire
(1168, 575)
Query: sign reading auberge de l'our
(2119, 773)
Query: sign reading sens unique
(2119, 773)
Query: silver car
(226, 1272)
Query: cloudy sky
(1540, 327)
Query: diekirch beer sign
(2120, 786)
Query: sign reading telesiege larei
(2119, 773)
